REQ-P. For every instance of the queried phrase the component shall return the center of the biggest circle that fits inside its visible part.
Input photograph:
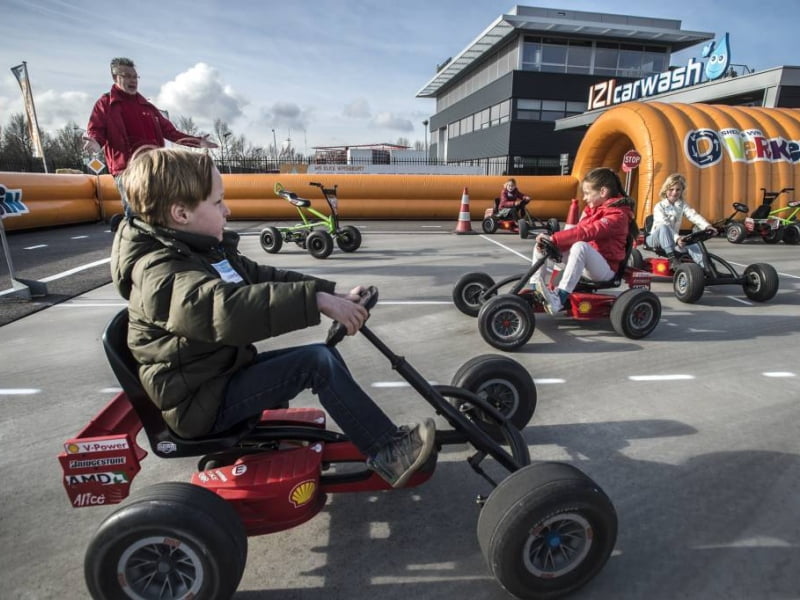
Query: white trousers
(580, 260)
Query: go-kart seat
(296, 200)
(163, 441)
(589, 285)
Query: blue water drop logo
(719, 58)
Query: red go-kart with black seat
(545, 530)
(517, 220)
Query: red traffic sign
(631, 160)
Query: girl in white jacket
(667, 217)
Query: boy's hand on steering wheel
(343, 309)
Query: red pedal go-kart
(506, 321)
(506, 218)
(759, 281)
(545, 530)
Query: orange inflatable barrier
(726, 153)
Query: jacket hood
(135, 239)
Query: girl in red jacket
(595, 247)
(512, 197)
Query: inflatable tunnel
(727, 153)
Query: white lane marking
(71, 304)
(675, 377)
(19, 392)
(79, 237)
(522, 256)
(36, 247)
(76, 270)
(431, 226)
(111, 390)
(779, 374)
(745, 302)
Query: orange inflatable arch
(727, 153)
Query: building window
(529, 110)
(553, 109)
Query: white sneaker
(551, 300)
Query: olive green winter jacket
(191, 326)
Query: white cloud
(200, 93)
(387, 120)
(357, 109)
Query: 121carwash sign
(717, 59)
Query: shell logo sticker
(584, 307)
(303, 492)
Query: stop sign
(631, 160)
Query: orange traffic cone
(572, 215)
(464, 221)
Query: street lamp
(275, 144)
(425, 124)
(223, 142)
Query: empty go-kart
(506, 321)
(759, 281)
(545, 530)
(764, 222)
(507, 219)
(317, 231)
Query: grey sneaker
(397, 461)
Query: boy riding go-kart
(545, 530)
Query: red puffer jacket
(605, 228)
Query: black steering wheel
(337, 331)
(696, 237)
(739, 207)
(550, 250)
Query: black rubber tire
(489, 225)
(546, 531)
(635, 313)
(735, 233)
(271, 240)
(504, 383)
(197, 536)
(791, 234)
(524, 228)
(348, 239)
(761, 282)
(773, 236)
(467, 291)
(636, 260)
(506, 322)
(553, 225)
(689, 282)
(319, 244)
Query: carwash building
(519, 98)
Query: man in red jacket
(123, 121)
(595, 246)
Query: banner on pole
(21, 73)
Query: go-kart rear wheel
(791, 234)
(468, 290)
(735, 232)
(761, 282)
(489, 225)
(348, 239)
(319, 244)
(546, 530)
(171, 540)
(524, 228)
(773, 236)
(271, 240)
(506, 322)
(689, 282)
(503, 383)
(635, 313)
(553, 225)
(636, 260)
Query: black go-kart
(545, 530)
(507, 320)
(759, 281)
(764, 222)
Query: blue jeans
(662, 237)
(279, 375)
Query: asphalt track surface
(692, 432)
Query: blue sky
(323, 72)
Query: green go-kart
(317, 231)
